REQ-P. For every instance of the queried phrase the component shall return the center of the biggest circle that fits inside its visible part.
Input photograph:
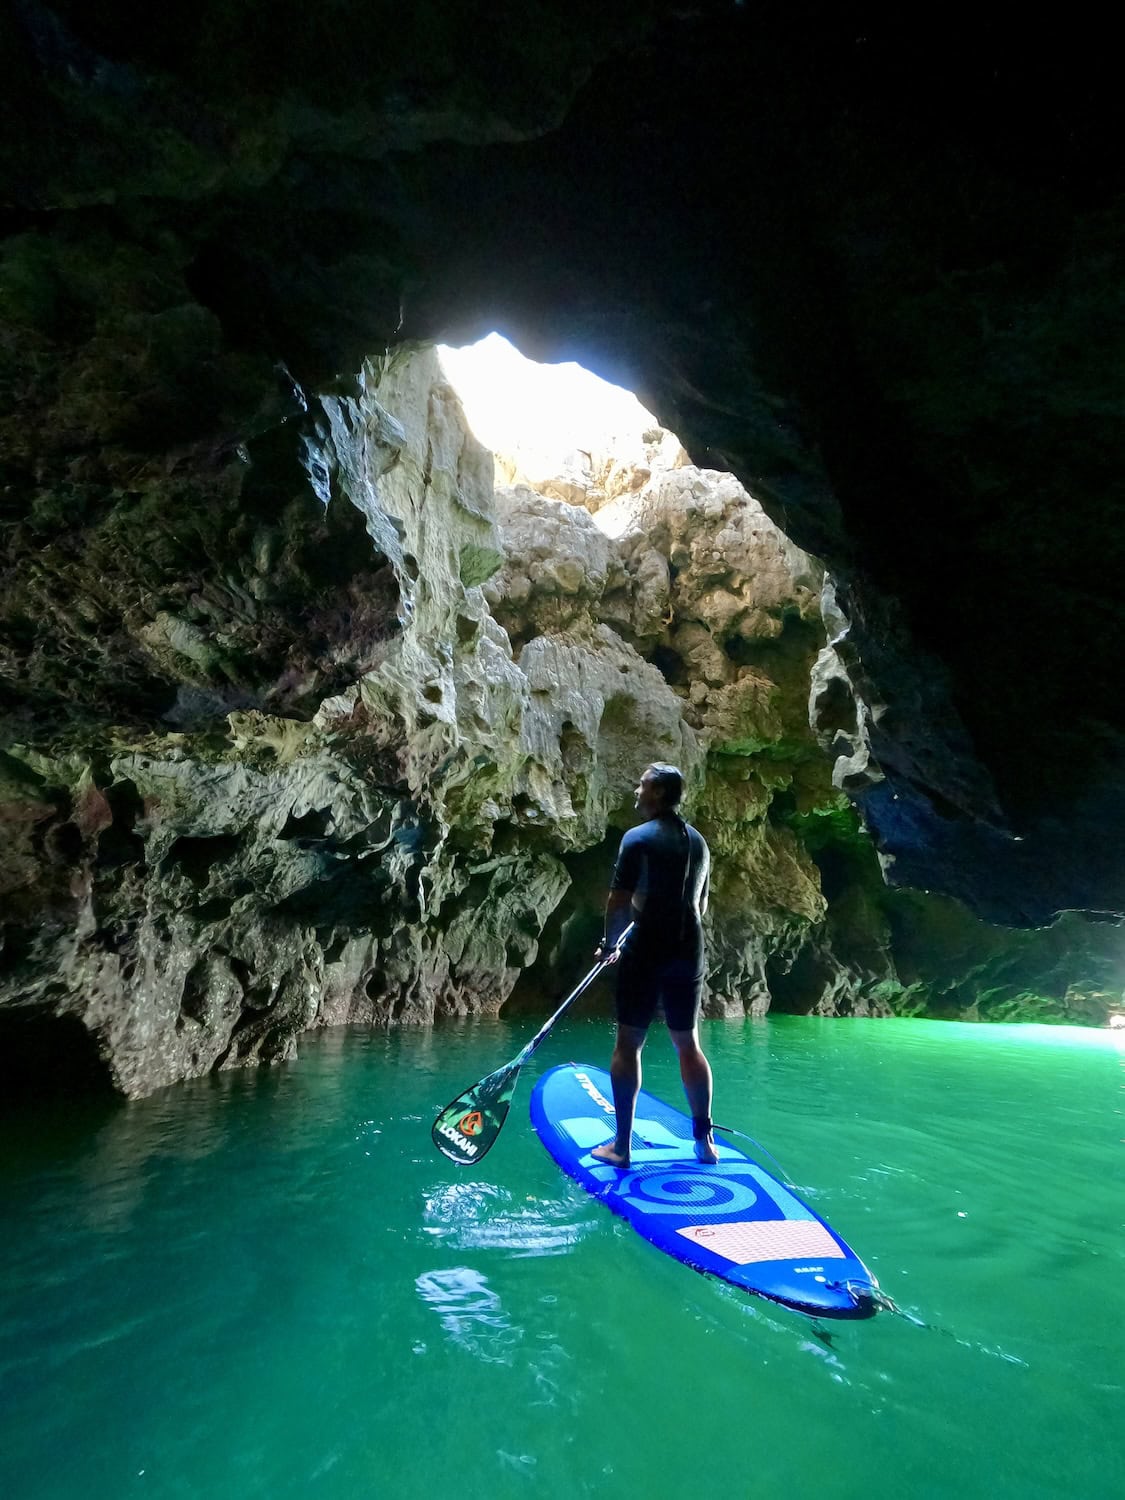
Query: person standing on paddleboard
(660, 882)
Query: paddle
(467, 1129)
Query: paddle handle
(575, 994)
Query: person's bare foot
(705, 1150)
(609, 1153)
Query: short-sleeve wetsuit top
(665, 864)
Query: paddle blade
(466, 1129)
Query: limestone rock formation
(440, 797)
(748, 632)
(686, 564)
(898, 325)
(559, 567)
(200, 898)
(742, 623)
(616, 465)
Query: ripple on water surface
(270, 1282)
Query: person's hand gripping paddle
(466, 1130)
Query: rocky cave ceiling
(869, 262)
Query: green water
(269, 1283)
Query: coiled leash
(741, 1134)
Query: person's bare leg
(625, 1074)
(695, 1072)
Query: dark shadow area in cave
(836, 711)
(48, 1057)
(841, 869)
(310, 825)
(795, 988)
(197, 856)
(671, 665)
(120, 844)
(215, 910)
(347, 896)
(16, 941)
(783, 657)
(63, 843)
(569, 938)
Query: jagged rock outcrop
(594, 476)
(200, 898)
(689, 567)
(559, 567)
(741, 624)
(748, 632)
(898, 325)
(893, 341)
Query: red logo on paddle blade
(471, 1124)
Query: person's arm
(617, 910)
(617, 907)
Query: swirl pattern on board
(693, 1194)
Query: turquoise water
(269, 1283)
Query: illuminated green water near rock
(269, 1284)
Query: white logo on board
(592, 1090)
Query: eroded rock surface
(899, 325)
(202, 897)
(441, 827)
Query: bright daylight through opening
(513, 404)
(560, 430)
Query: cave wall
(867, 261)
(870, 269)
(199, 894)
(748, 632)
(434, 836)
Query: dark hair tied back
(669, 780)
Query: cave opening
(519, 407)
(708, 591)
(561, 431)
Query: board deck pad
(732, 1220)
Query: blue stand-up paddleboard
(732, 1220)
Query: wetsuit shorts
(644, 983)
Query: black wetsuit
(664, 864)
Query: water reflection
(471, 1313)
(474, 1320)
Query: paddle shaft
(466, 1129)
(575, 994)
